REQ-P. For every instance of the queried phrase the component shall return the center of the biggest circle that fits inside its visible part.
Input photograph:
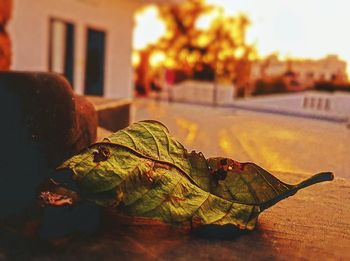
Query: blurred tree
(204, 43)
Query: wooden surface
(312, 225)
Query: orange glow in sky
(292, 28)
(148, 27)
(295, 28)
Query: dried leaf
(53, 199)
(245, 183)
(144, 170)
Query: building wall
(29, 31)
(305, 71)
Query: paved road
(277, 143)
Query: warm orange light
(209, 58)
(203, 40)
(149, 27)
(136, 59)
(253, 56)
(193, 57)
(294, 28)
(205, 21)
(170, 63)
(290, 27)
(157, 59)
(190, 129)
(239, 52)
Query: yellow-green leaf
(245, 183)
(153, 176)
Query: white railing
(200, 93)
(319, 104)
(332, 106)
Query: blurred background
(262, 81)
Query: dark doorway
(61, 49)
(95, 62)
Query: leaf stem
(320, 177)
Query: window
(61, 49)
(95, 62)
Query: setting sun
(148, 27)
(293, 29)
(298, 28)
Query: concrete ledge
(113, 114)
(314, 224)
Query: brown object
(5, 51)
(58, 121)
(50, 198)
(42, 123)
(5, 11)
(86, 122)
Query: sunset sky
(302, 28)
(293, 28)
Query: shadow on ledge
(216, 232)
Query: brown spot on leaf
(158, 165)
(149, 176)
(225, 165)
(170, 198)
(220, 174)
(101, 154)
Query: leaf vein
(225, 215)
(169, 194)
(251, 190)
(131, 138)
(200, 205)
(168, 144)
(266, 180)
(154, 138)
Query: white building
(300, 73)
(89, 41)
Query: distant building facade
(300, 74)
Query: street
(275, 142)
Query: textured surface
(274, 142)
(312, 225)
